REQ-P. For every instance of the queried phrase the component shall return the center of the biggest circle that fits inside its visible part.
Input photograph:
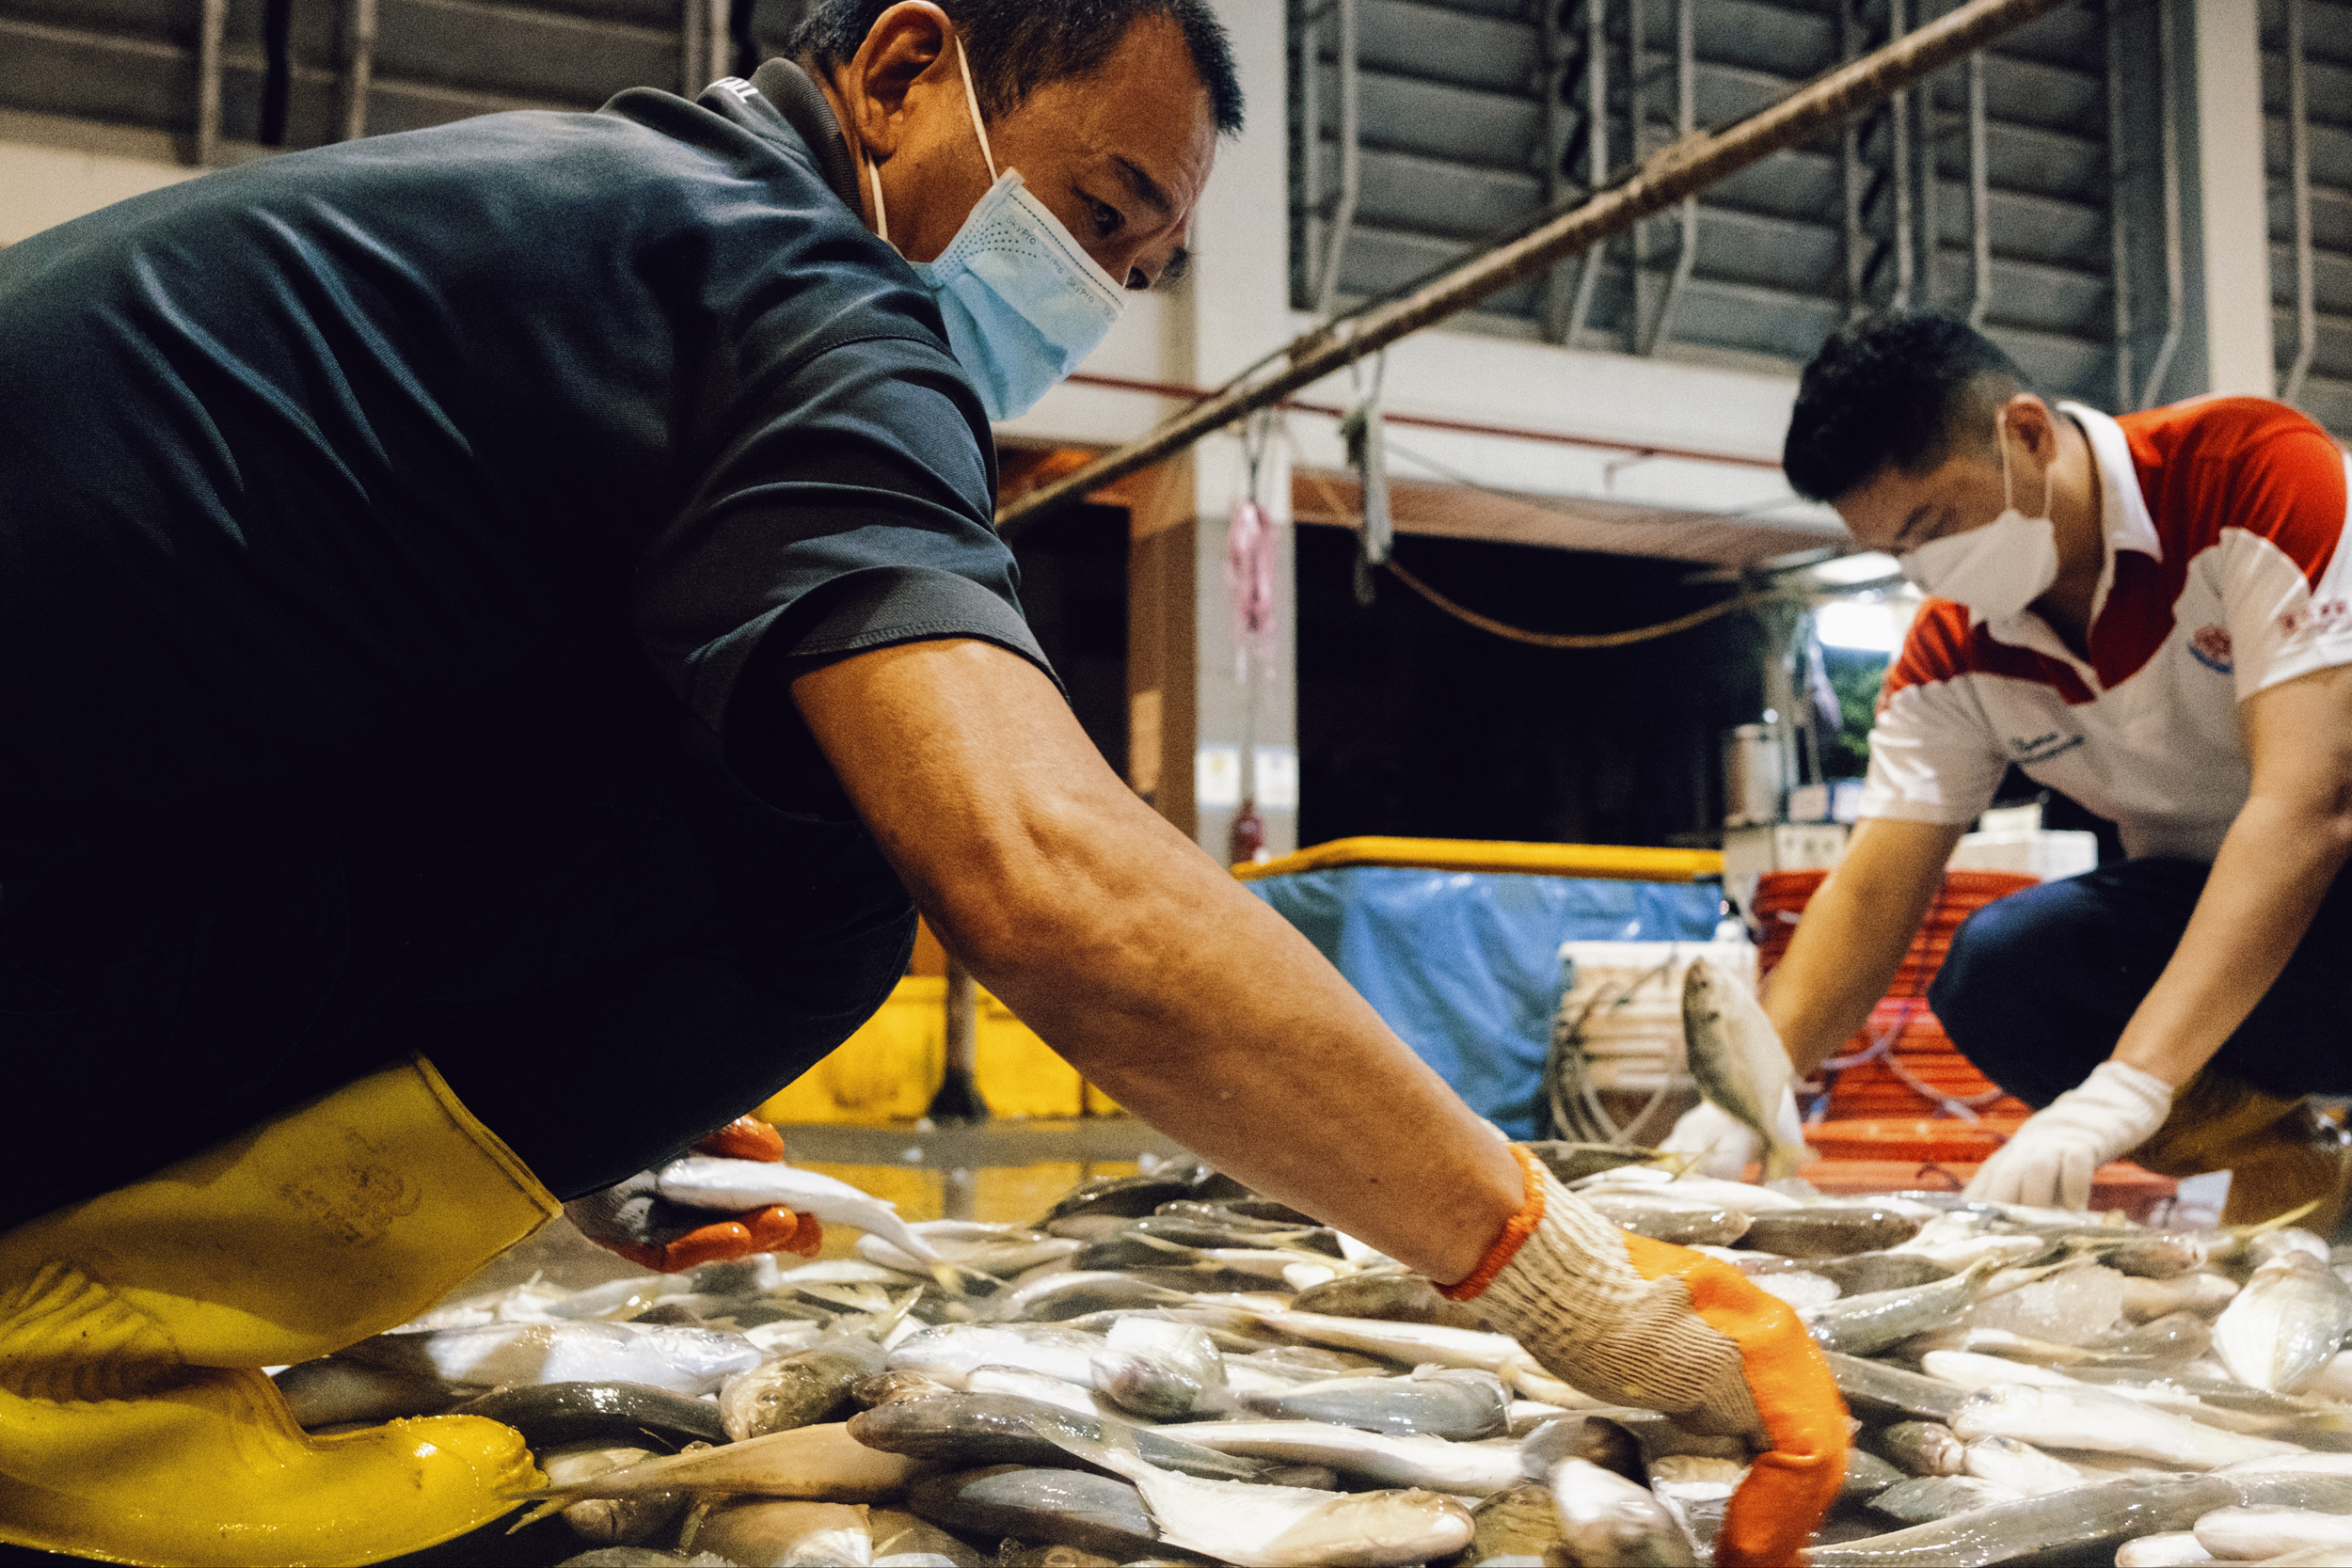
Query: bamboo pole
(1682, 169)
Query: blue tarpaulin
(1464, 965)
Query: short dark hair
(1896, 387)
(1018, 46)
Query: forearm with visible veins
(1143, 962)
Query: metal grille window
(293, 73)
(1423, 126)
(2306, 105)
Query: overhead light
(1875, 627)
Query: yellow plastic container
(892, 1067)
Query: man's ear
(906, 42)
(2032, 422)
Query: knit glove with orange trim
(1639, 1323)
(634, 1220)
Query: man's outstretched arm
(1142, 961)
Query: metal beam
(1898, 161)
(213, 27)
(1686, 122)
(1597, 146)
(2175, 286)
(358, 66)
(2300, 174)
(2119, 228)
(1979, 200)
(1683, 169)
(1351, 161)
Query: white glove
(2050, 1160)
(1727, 1145)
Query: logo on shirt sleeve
(2042, 748)
(2210, 647)
(2323, 615)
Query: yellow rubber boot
(134, 1426)
(2280, 1154)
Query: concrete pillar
(1199, 738)
(2227, 348)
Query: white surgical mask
(1999, 569)
(1022, 302)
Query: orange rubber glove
(1637, 1322)
(633, 1220)
(1790, 1486)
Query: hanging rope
(1592, 640)
(1569, 640)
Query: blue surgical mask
(1022, 301)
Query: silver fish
(1004, 1429)
(1610, 1522)
(1073, 1508)
(610, 1521)
(706, 1181)
(1037, 1385)
(2079, 1417)
(2171, 1549)
(2200, 1292)
(2286, 1325)
(336, 1389)
(2250, 1534)
(1288, 1527)
(948, 1353)
(1053, 1297)
(1923, 1500)
(1739, 1061)
(820, 1464)
(796, 1390)
(1663, 1219)
(565, 1415)
(1003, 1251)
(1390, 1295)
(1866, 1476)
(1866, 1272)
(1830, 1230)
(1474, 1470)
(683, 1360)
(2087, 1515)
(781, 1533)
(2020, 1466)
(1412, 1344)
(1922, 1447)
(1518, 1528)
(1860, 1325)
(1160, 1368)
(1452, 1403)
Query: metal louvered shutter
(2308, 123)
(1471, 116)
(294, 74)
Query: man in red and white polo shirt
(2151, 614)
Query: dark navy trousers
(2039, 986)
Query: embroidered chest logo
(2042, 748)
(2322, 615)
(2210, 647)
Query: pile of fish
(1168, 1369)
